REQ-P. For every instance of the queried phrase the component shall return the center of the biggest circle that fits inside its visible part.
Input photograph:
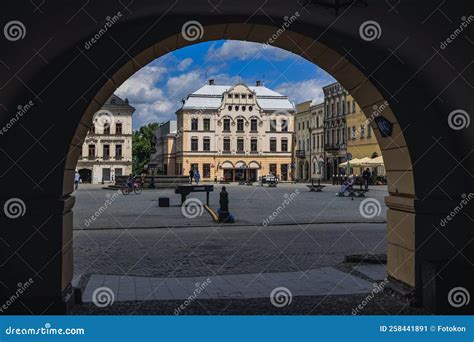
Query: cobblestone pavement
(228, 249)
(251, 205)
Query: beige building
(107, 148)
(309, 141)
(163, 156)
(361, 140)
(235, 132)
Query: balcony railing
(299, 153)
(118, 157)
(333, 147)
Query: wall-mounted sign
(385, 126)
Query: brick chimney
(259, 83)
(211, 81)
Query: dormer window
(229, 108)
(229, 96)
(112, 100)
(236, 96)
(244, 96)
(250, 96)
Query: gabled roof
(115, 101)
(211, 96)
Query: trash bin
(163, 201)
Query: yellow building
(361, 140)
(235, 132)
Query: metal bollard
(224, 205)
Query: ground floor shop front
(234, 169)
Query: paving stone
(373, 271)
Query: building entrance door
(228, 175)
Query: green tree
(142, 146)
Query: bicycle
(136, 188)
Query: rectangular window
(354, 135)
(362, 131)
(240, 125)
(118, 128)
(207, 124)
(206, 170)
(226, 146)
(369, 131)
(206, 144)
(107, 129)
(194, 124)
(273, 145)
(273, 169)
(284, 172)
(273, 125)
(92, 129)
(118, 171)
(106, 151)
(353, 106)
(240, 145)
(284, 125)
(253, 145)
(194, 144)
(253, 125)
(226, 125)
(284, 145)
(118, 151)
(91, 151)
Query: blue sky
(157, 89)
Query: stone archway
(67, 82)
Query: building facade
(235, 132)
(163, 155)
(317, 142)
(361, 142)
(337, 103)
(309, 141)
(107, 148)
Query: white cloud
(236, 49)
(185, 63)
(304, 90)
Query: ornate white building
(107, 148)
(235, 132)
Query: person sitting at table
(346, 185)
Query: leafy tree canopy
(142, 146)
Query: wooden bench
(185, 190)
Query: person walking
(77, 180)
(197, 176)
(191, 176)
(366, 175)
